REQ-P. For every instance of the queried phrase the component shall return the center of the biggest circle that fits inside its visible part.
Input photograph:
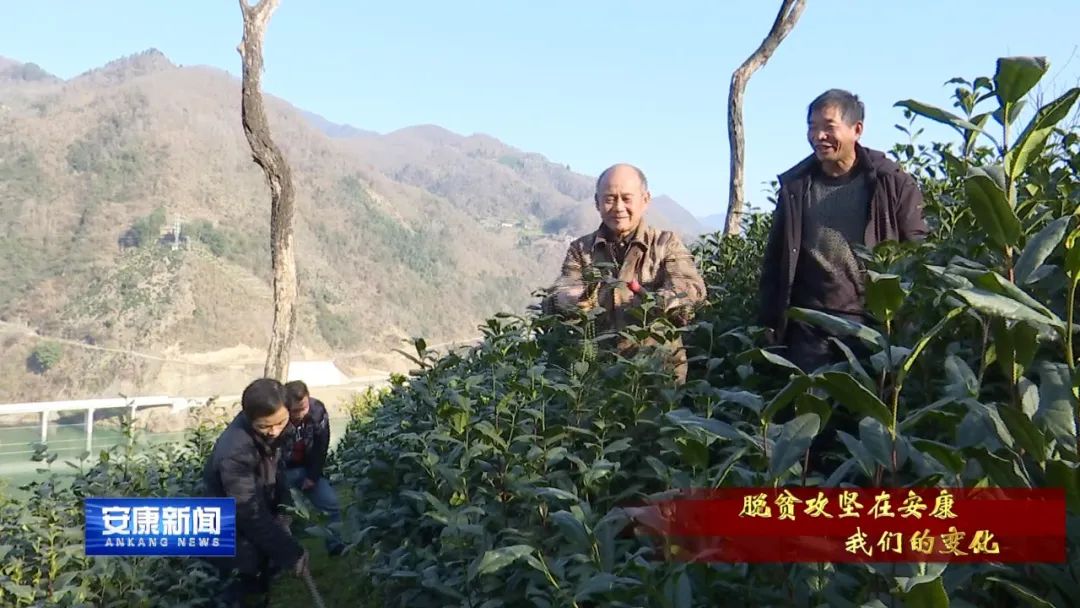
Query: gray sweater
(828, 276)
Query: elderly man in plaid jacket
(644, 260)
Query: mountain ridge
(419, 231)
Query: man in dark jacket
(841, 195)
(244, 465)
(304, 451)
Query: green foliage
(45, 356)
(206, 233)
(21, 176)
(420, 248)
(42, 559)
(246, 247)
(731, 268)
(114, 156)
(499, 477)
(23, 266)
(335, 328)
(513, 162)
(148, 228)
(29, 72)
(502, 476)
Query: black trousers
(811, 348)
(247, 575)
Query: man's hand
(301, 564)
(307, 485)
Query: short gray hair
(640, 174)
(851, 108)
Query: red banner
(860, 525)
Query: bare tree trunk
(790, 10)
(279, 177)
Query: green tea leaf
(572, 529)
(684, 594)
(991, 208)
(1056, 415)
(556, 493)
(794, 440)
(996, 305)
(743, 398)
(884, 295)
(1065, 475)
(1024, 430)
(912, 357)
(1025, 595)
(1003, 473)
(711, 427)
(875, 437)
(913, 418)
(620, 445)
(837, 326)
(1038, 248)
(497, 559)
(937, 114)
(808, 403)
(602, 582)
(1029, 397)
(988, 415)
(1015, 76)
(944, 454)
(926, 573)
(1072, 255)
(795, 387)
(486, 429)
(962, 382)
(927, 595)
(778, 360)
(994, 282)
(1031, 141)
(853, 361)
(855, 396)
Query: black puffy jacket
(245, 467)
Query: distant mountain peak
(130, 66)
(12, 70)
(333, 129)
(433, 133)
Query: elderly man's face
(622, 200)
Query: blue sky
(585, 83)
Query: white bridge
(314, 373)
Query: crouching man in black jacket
(304, 451)
(245, 465)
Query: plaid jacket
(314, 432)
(657, 259)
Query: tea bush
(498, 477)
(42, 555)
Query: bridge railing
(45, 410)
